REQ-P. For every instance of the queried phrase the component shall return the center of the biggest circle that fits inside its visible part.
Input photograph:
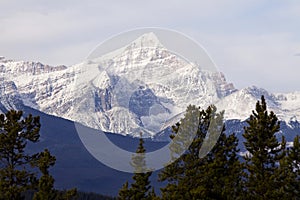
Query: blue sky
(254, 42)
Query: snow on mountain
(39, 86)
(9, 96)
(239, 104)
(290, 105)
(140, 87)
(148, 83)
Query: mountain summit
(146, 40)
(143, 86)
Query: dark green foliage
(67, 194)
(221, 173)
(198, 171)
(80, 196)
(15, 173)
(45, 189)
(265, 153)
(92, 196)
(141, 184)
(288, 174)
(193, 176)
(152, 195)
(180, 173)
(124, 192)
(294, 161)
(294, 156)
(18, 176)
(46, 181)
(140, 188)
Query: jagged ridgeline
(142, 86)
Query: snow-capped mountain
(140, 87)
(238, 104)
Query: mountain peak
(257, 92)
(146, 40)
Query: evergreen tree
(193, 176)
(152, 195)
(265, 153)
(46, 181)
(46, 189)
(17, 173)
(141, 184)
(124, 192)
(289, 173)
(176, 173)
(220, 176)
(140, 188)
(294, 160)
(294, 156)
(67, 194)
(15, 133)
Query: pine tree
(140, 188)
(294, 160)
(124, 192)
(265, 153)
(45, 190)
(67, 194)
(180, 173)
(285, 178)
(289, 173)
(152, 195)
(17, 172)
(195, 176)
(221, 173)
(294, 156)
(46, 181)
(15, 133)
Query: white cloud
(246, 38)
(263, 60)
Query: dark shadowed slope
(75, 166)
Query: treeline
(28, 195)
(268, 170)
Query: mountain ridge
(138, 87)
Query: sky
(253, 42)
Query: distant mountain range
(140, 87)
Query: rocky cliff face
(9, 96)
